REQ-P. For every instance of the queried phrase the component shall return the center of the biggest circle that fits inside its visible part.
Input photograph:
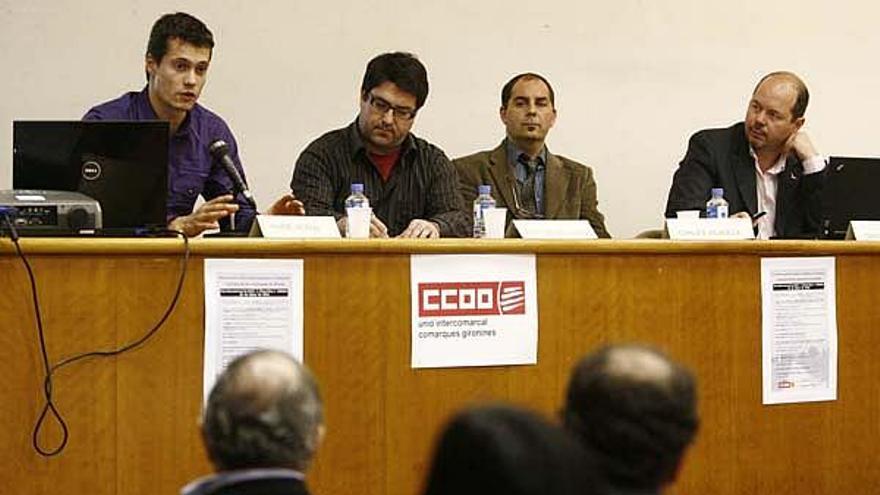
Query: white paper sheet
(294, 227)
(709, 229)
(251, 304)
(555, 229)
(799, 337)
(473, 310)
(863, 230)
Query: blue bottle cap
(717, 192)
(484, 189)
(357, 187)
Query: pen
(758, 215)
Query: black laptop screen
(850, 193)
(122, 165)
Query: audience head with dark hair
(504, 450)
(262, 425)
(634, 410)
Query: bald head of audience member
(264, 411)
(635, 411)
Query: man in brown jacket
(525, 177)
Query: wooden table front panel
(133, 418)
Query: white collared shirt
(766, 185)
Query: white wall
(634, 78)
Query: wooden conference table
(133, 418)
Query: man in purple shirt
(177, 60)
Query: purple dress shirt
(191, 169)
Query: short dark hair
(508, 88)
(803, 94)
(635, 425)
(503, 449)
(401, 68)
(257, 419)
(179, 25)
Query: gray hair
(264, 411)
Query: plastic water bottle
(355, 200)
(484, 201)
(716, 207)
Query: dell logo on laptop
(91, 170)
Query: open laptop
(850, 193)
(122, 165)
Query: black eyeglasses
(381, 106)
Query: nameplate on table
(294, 227)
(709, 229)
(555, 229)
(863, 230)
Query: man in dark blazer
(261, 427)
(767, 165)
(525, 177)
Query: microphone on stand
(220, 151)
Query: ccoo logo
(472, 298)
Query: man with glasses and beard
(411, 185)
(525, 177)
